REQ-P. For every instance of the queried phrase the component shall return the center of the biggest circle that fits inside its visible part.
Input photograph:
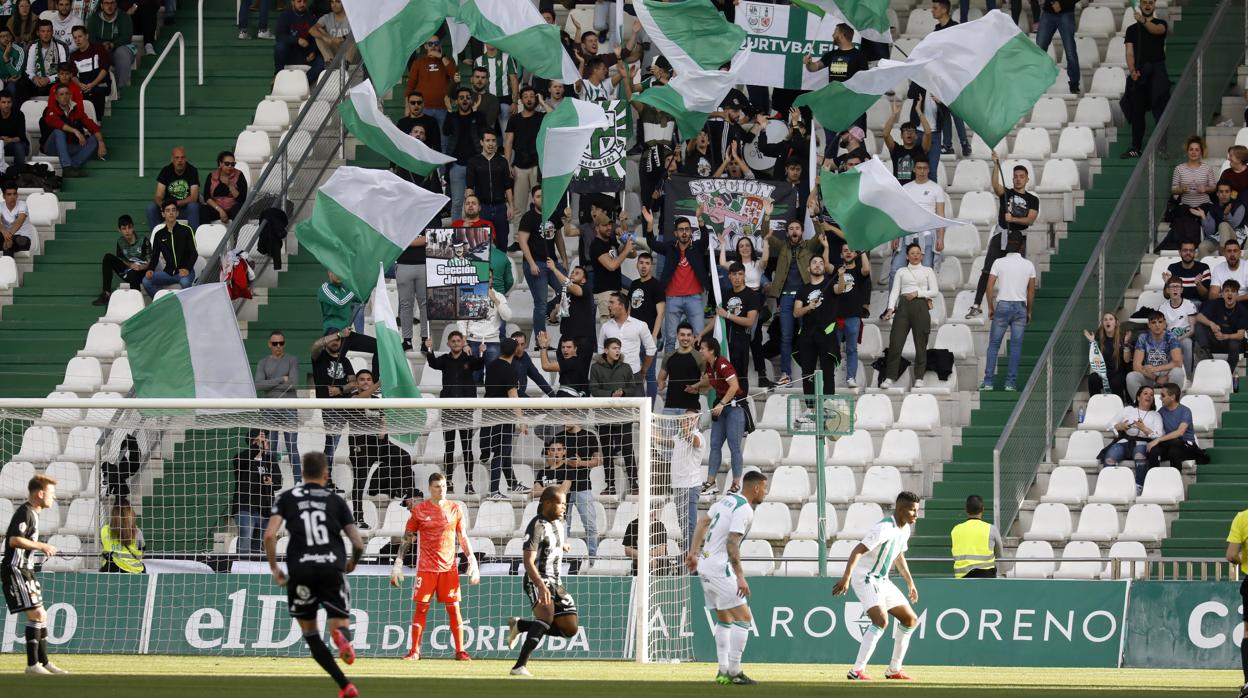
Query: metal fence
(1027, 439)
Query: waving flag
(387, 32)
(839, 104)
(366, 122)
(392, 364)
(868, 17)
(561, 141)
(690, 32)
(693, 94)
(517, 28)
(870, 207)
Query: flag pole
(811, 178)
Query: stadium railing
(1027, 439)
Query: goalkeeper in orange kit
(437, 522)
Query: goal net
(191, 482)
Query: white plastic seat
(771, 521)
(8, 272)
(949, 276)
(957, 339)
(625, 513)
(919, 412)
(1212, 377)
(775, 413)
(103, 341)
(871, 347)
(1156, 278)
(1068, 484)
(122, 305)
(807, 527)
(208, 238)
(1074, 143)
(838, 555)
(880, 484)
(981, 151)
(1082, 449)
(859, 519)
(763, 448)
(33, 110)
(1204, 413)
(873, 412)
(1115, 485)
(790, 484)
(82, 375)
(395, 520)
(1109, 82)
(1079, 569)
(253, 147)
(1127, 552)
(1163, 486)
(1097, 522)
(1030, 144)
(290, 86)
(578, 528)
(900, 448)
(69, 556)
(80, 445)
(839, 484)
(82, 518)
(1049, 113)
(1116, 52)
(611, 560)
(801, 451)
(44, 209)
(1093, 111)
(970, 175)
(272, 116)
(14, 477)
(919, 24)
(494, 520)
(68, 478)
(59, 415)
(1050, 521)
(763, 562)
(530, 511)
(39, 445)
(100, 415)
(978, 207)
(1096, 21)
(1040, 566)
(6, 509)
(120, 380)
(1060, 175)
(1146, 523)
(791, 562)
(1100, 412)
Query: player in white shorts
(867, 570)
(715, 556)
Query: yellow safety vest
(126, 557)
(972, 547)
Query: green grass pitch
(182, 677)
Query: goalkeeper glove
(396, 575)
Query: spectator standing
(976, 543)
(458, 366)
(500, 382)
(574, 309)
(177, 182)
(225, 190)
(728, 417)
(793, 257)
(607, 252)
(582, 454)
(1013, 278)
(1158, 358)
(173, 254)
(464, 128)
(502, 79)
(143, 13)
(1192, 272)
(1058, 16)
(415, 114)
(684, 278)
(520, 149)
(472, 218)
(1148, 84)
(16, 230)
(1220, 327)
(91, 64)
(433, 75)
(932, 198)
(485, 333)
(12, 64)
(295, 44)
(1017, 210)
(244, 19)
(842, 63)
(910, 302)
(128, 260)
(611, 376)
(485, 102)
(853, 303)
(1115, 346)
(254, 469)
(816, 345)
(332, 32)
(540, 240)
(332, 376)
(689, 448)
(646, 303)
(636, 342)
(1179, 311)
(573, 369)
(1134, 427)
(1177, 441)
(682, 371)
(947, 121)
(411, 276)
(526, 370)
(1222, 221)
(907, 153)
(1192, 182)
(1232, 267)
(277, 376)
(338, 305)
(370, 444)
(488, 177)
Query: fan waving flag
(690, 32)
(693, 94)
(187, 345)
(396, 372)
(387, 32)
(561, 141)
(871, 208)
(839, 104)
(868, 17)
(363, 217)
(517, 28)
(987, 71)
(366, 122)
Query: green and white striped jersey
(884, 542)
(732, 514)
(499, 69)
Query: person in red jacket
(67, 132)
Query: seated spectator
(1134, 426)
(338, 305)
(295, 45)
(526, 369)
(15, 226)
(173, 254)
(1220, 327)
(910, 300)
(1179, 311)
(177, 182)
(43, 56)
(65, 76)
(1115, 346)
(572, 368)
(1236, 173)
(113, 29)
(225, 190)
(1177, 441)
(12, 62)
(332, 32)
(254, 471)
(128, 260)
(660, 562)
(1191, 271)
(13, 130)
(68, 133)
(1231, 267)
(91, 62)
(1223, 221)
(1158, 357)
(64, 19)
(24, 24)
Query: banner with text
(457, 277)
(734, 206)
(1184, 625)
(780, 37)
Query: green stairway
(1221, 491)
(970, 469)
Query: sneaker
(264, 34)
(765, 383)
(946, 150)
(708, 488)
(851, 384)
(735, 488)
(37, 669)
(898, 675)
(349, 692)
(974, 312)
(70, 172)
(966, 150)
(743, 680)
(497, 497)
(345, 651)
(521, 671)
(857, 675)
(1011, 388)
(149, 50)
(888, 383)
(462, 657)
(986, 387)
(918, 383)
(413, 655)
(521, 489)
(407, 345)
(723, 679)
(1074, 89)
(468, 489)
(608, 491)
(101, 299)
(54, 669)
(1131, 154)
(784, 379)
(242, 34)
(513, 632)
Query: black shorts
(1243, 596)
(21, 590)
(312, 588)
(564, 604)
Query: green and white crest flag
(517, 28)
(987, 71)
(690, 32)
(366, 122)
(602, 164)
(868, 17)
(387, 32)
(561, 143)
(186, 344)
(780, 37)
(870, 207)
(396, 372)
(362, 218)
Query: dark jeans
(1150, 93)
(460, 422)
(394, 470)
(618, 439)
(20, 243)
(1062, 23)
(496, 213)
(497, 440)
(1234, 348)
(112, 264)
(817, 348)
(294, 54)
(1175, 451)
(19, 150)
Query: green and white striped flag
(517, 28)
(868, 17)
(387, 32)
(365, 121)
(561, 141)
(870, 207)
(396, 373)
(839, 104)
(690, 32)
(691, 96)
(187, 345)
(363, 217)
(987, 71)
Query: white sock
(723, 640)
(901, 641)
(739, 634)
(869, 639)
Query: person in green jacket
(113, 29)
(338, 306)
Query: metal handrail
(180, 40)
(199, 48)
(1067, 325)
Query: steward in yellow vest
(975, 543)
(121, 542)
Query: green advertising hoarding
(1184, 625)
